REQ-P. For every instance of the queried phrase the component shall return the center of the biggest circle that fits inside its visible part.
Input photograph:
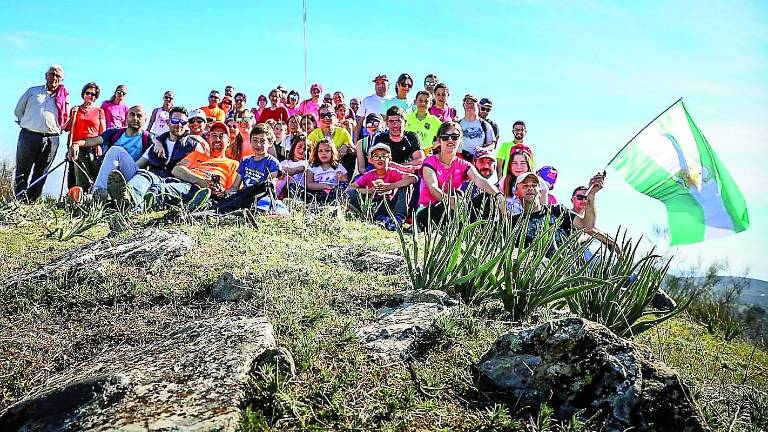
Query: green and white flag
(670, 160)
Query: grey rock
(421, 296)
(229, 288)
(193, 380)
(574, 364)
(282, 359)
(378, 262)
(398, 329)
(662, 301)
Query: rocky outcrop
(573, 364)
(142, 248)
(194, 379)
(229, 288)
(378, 262)
(398, 329)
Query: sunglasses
(243, 119)
(380, 157)
(446, 137)
(167, 98)
(176, 121)
(484, 109)
(196, 120)
(581, 197)
(120, 92)
(213, 97)
(372, 124)
(326, 115)
(402, 84)
(239, 100)
(90, 94)
(294, 98)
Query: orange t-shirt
(87, 123)
(225, 168)
(214, 112)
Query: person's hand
(74, 151)
(380, 187)
(596, 183)
(98, 151)
(452, 202)
(216, 189)
(158, 148)
(339, 176)
(202, 142)
(501, 203)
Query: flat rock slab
(578, 366)
(398, 329)
(142, 248)
(193, 380)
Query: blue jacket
(162, 167)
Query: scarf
(61, 104)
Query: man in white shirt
(372, 103)
(41, 111)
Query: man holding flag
(670, 160)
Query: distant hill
(755, 291)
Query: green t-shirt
(426, 129)
(340, 137)
(402, 103)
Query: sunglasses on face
(580, 197)
(326, 115)
(485, 109)
(121, 93)
(196, 120)
(90, 94)
(380, 157)
(294, 98)
(167, 97)
(213, 97)
(176, 121)
(402, 84)
(372, 125)
(446, 137)
(239, 100)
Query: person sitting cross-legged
(385, 185)
(127, 185)
(255, 173)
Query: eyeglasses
(372, 124)
(90, 94)
(380, 156)
(260, 141)
(121, 93)
(485, 109)
(216, 135)
(197, 120)
(403, 84)
(452, 137)
(326, 115)
(395, 121)
(580, 197)
(177, 121)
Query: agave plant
(631, 280)
(81, 218)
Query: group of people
(411, 155)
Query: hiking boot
(100, 195)
(199, 200)
(117, 188)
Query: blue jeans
(397, 203)
(125, 164)
(166, 190)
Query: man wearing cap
(505, 149)
(155, 170)
(422, 122)
(485, 164)
(527, 190)
(40, 112)
(372, 103)
(477, 133)
(402, 87)
(373, 125)
(212, 110)
(485, 108)
(385, 185)
(311, 105)
(430, 81)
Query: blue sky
(585, 76)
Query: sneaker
(199, 200)
(381, 219)
(117, 188)
(100, 195)
(393, 224)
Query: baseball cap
(548, 173)
(470, 96)
(486, 102)
(373, 117)
(381, 77)
(522, 177)
(379, 146)
(485, 154)
(198, 113)
(218, 124)
(316, 86)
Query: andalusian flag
(670, 160)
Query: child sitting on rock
(385, 185)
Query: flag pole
(638, 133)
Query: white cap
(379, 146)
(197, 113)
